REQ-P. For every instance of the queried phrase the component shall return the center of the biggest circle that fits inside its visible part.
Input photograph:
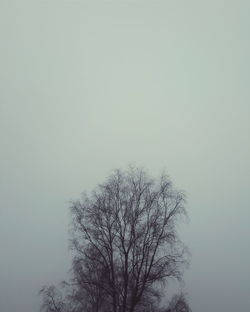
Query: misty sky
(89, 86)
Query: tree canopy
(126, 247)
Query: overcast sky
(89, 86)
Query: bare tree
(52, 299)
(125, 243)
(178, 303)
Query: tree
(125, 245)
(178, 303)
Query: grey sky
(88, 86)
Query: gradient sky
(88, 86)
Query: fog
(89, 86)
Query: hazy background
(88, 86)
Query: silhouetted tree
(179, 303)
(52, 299)
(125, 246)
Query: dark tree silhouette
(125, 246)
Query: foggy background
(89, 86)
